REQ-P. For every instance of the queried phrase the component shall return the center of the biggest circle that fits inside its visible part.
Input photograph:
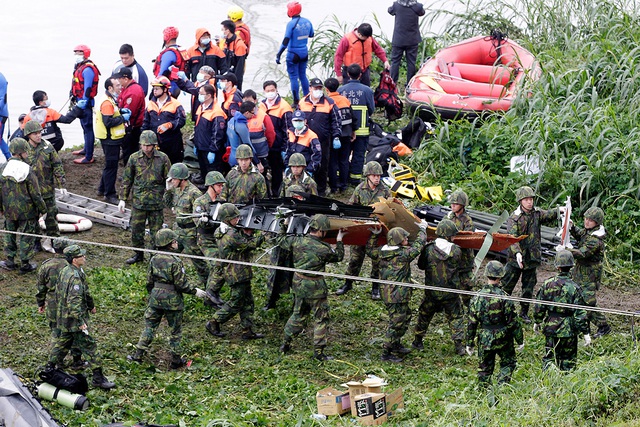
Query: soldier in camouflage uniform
(297, 175)
(74, 305)
(496, 323)
(366, 193)
(525, 256)
(236, 244)
(180, 195)
(310, 291)
(459, 202)
(47, 167)
(561, 325)
(20, 203)
(244, 181)
(166, 283)
(395, 265)
(144, 176)
(440, 261)
(589, 254)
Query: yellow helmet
(235, 13)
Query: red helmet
(293, 8)
(84, 49)
(161, 81)
(170, 33)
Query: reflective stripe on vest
(361, 110)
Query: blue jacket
(362, 103)
(238, 133)
(210, 129)
(296, 36)
(4, 115)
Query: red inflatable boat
(476, 76)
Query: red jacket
(132, 97)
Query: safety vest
(77, 84)
(344, 106)
(257, 134)
(359, 52)
(181, 58)
(101, 131)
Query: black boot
(9, 264)
(318, 354)
(348, 284)
(460, 351)
(285, 347)
(213, 328)
(137, 356)
(78, 363)
(603, 330)
(137, 257)
(27, 267)
(417, 343)
(177, 362)
(100, 381)
(524, 313)
(400, 349)
(375, 291)
(248, 334)
(388, 356)
(215, 298)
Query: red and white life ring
(70, 223)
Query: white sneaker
(46, 245)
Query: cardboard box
(371, 409)
(332, 402)
(357, 388)
(395, 401)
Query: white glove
(376, 229)
(519, 259)
(422, 224)
(536, 328)
(560, 248)
(44, 217)
(168, 185)
(520, 347)
(203, 219)
(469, 350)
(200, 293)
(64, 192)
(587, 340)
(121, 206)
(341, 234)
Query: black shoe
(250, 335)
(27, 267)
(602, 331)
(100, 381)
(78, 364)
(375, 291)
(137, 257)
(417, 343)
(400, 349)
(345, 288)
(137, 356)
(113, 200)
(49, 367)
(8, 264)
(387, 356)
(285, 348)
(525, 318)
(177, 362)
(100, 194)
(215, 298)
(213, 328)
(319, 355)
(460, 350)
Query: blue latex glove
(81, 104)
(182, 76)
(211, 157)
(336, 143)
(284, 155)
(125, 111)
(195, 150)
(126, 116)
(286, 171)
(278, 59)
(309, 173)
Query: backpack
(380, 147)
(386, 96)
(413, 133)
(75, 383)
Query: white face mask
(201, 98)
(200, 77)
(79, 58)
(205, 41)
(47, 103)
(297, 124)
(271, 95)
(317, 93)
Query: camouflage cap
(297, 159)
(320, 222)
(18, 146)
(524, 192)
(396, 235)
(595, 214)
(372, 168)
(148, 137)
(31, 126)
(494, 270)
(446, 228)
(564, 259)
(74, 251)
(179, 171)
(459, 197)
(293, 190)
(214, 177)
(59, 243)
(244, 152)
(164, 237)
(228, 211)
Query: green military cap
(446, 228)
(297, 159)
(293, 190)
(148, 137)
(494, 270)
(564, 259)
(524, 192)
(32, 126)
(396, 235)
(459, 197)
(213, 178)
(18, 146)
(74, 251)
(595, 214)
(59, 243)
(372, 168)
(244, 152)
(164, 237)
(228, 211)
(179, 171)
(320, 222)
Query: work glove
(560, 248)
(182, 76)
(121, 206)
(204, 218)
(81, 104)
(336, 143)
(211, 157)
(44, 217)
(278, 59)
(125, 111)
(536, 328)
(64, 192)
(200, 293)
(126, 116)
(469, 350)
(167, 184)
(520, 347)
(587, 340)
(341, 234)
(519, 259)
(422, 224)
(164, 127)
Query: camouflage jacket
(46, 281)
(440, 261)
(395, 265)
(523, 223)
(561, 322)
(145, 177)
(493, 319)
(74, 300)
(363, 195)
(234, 244)
(166, 282)
(305, 181)
(47, 167)
(589, 254)
(464, 223)
(204, 204)
(182, 203)
(20, 197)
(244, 187)
(310, 253)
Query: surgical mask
(221, 86)
(271, 95)
(200, 77)
(47, 103)
(114, 95)
(201, 98)
(317, 93)
(79, 58)
(298, 124)
(205, 41)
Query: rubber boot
(213, 328)
(45, 244)
(375, 291)
(248, 334)
(27, 267)
(388, 356)
(9, 264)
(603, 330)
(318, 354)
(177, 361)
(417, 343)
(137, 257)
(137, 356)
(348, 285)
(100, 381)
(460, 351)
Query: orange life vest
(359, 52)
(257, 133)
(77, 84)
(242, 31)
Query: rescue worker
(235, 51)
(458, 200)
(171, 59)
(228, 83)
(561, 325)
(238, 133)
(495, 322)
(358, 47)
(165, 116)
(205, 76)
(304, 141)
(166, 284)
(296, 38)
(4, 116)
(279, 111)
(74, 306)
(395, 259)
(366, 193)
(323, 118)
(202, 53)
(180, 195)
(296, 175)
(310, 291)
(339, 158)
(236, 244)
(245, 183)
(110, 130)
(589, 254)
(236, 14)
(132, 98)
(49, 118)
(128, 61)
(363, 106)
(144, 177)
(21, 204)
(440, 261)
(262, 135)
(525, 256)
(406, 36)
(84, 88)
(210, 132)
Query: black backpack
(75, 383)
(386, 96)
(413, 133)
(380, 146)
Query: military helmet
(595, 214)
(179, 171)
(494, 270)
(320, 222)
(228, 211)
(18, 146)
(59, 243)
(214, 177)
(459, 197)
(372, 168)
(446, 228)
(74, 251)
(31, 126)
(148, 137)
(244, 152)
(293, 190)
(564, 259)
(524, 192)
(396, 235)
(297, 159)
(164, 237)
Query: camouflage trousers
(399, 319)
(589, 293)
(209, 248)
(25, 249)
(487, 362)
(466, 284)
(561, 351)
(529, 280)
(279, 281)
(83, 342)
(55, 333)
(319, 309)
(51, 222)
(240, 302)
(139, 218)
(152, 319)
(188, 245)
(357, 259)
(432, 304)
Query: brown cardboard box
(332, 402)
(357, 388)
(371, 409)
(395, 401)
